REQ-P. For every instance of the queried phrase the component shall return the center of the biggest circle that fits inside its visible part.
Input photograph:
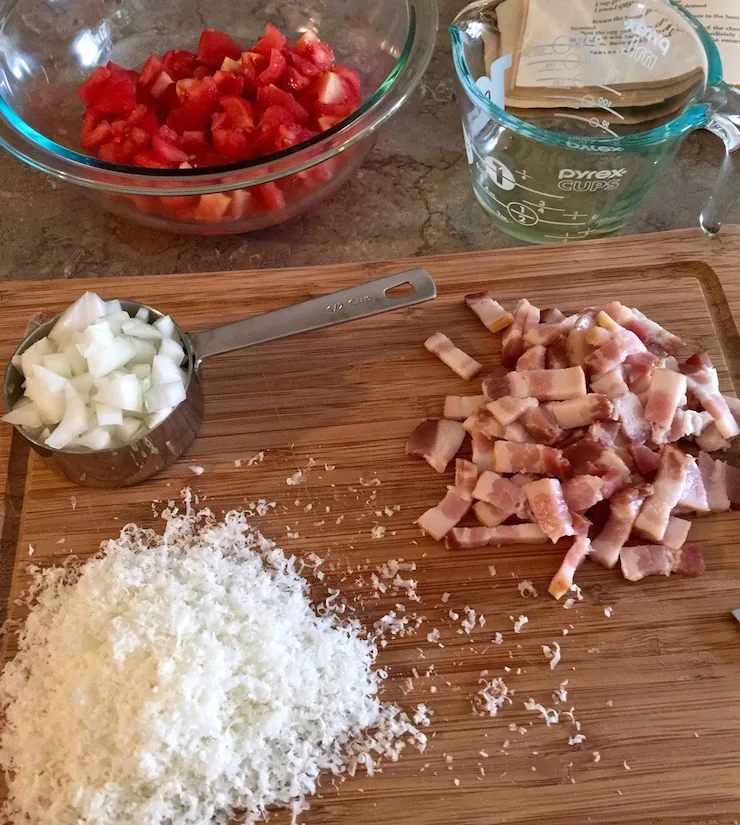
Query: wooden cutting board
(654, 686)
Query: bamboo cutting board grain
(654, 687)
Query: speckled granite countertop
(412, 197)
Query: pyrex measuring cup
(573, 108)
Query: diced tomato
(232, 66)
(118, 127)
(232, 143)
(90, 89)
(229, 83)
(328, 121)
(151, 71)
(119, 71)
(270, 196)
(180, 206)
(241, 204)
(193, 141)
(95, 132)
(161, 85)
(214, 46)
(272, 39)
(351, 78)
(200, 99)
(212, 208)
(301, 64)
(114, 96)
(293, 81)
(145, 203)
(288, 136)
(165, 146)
(239, 112)
(253, 65)
(114, 153)
(144, 118)
(272, 119)
(179, 63)
(138, 140)
(274, 70)
(272, 96)
(332, 89)
(210, 158)
(150, 161)
(311, 48)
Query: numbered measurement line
(540, 206)
(597, 125)
(589, 102)
(563, 223)
(609, 89)
(537, 192)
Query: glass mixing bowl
(49, 47)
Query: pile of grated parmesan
(183, 677)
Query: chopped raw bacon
(624, 508)
(632, 418)
(605, 432)
(482, 421)
(520, 479)
(598, 336)
(466, 477)
(438, 521)
(548, 506)
(577, 347)
(703, 382)
(668, 484)
(510, 457)
(581, 412)
(581, 525)
(646, 460)
(667, 390)
(543, 335)
(562, 581)
(611, 384)
(584, 456)
(496, 384)
(533, 359)
(488, 515)
(639, 370)
(556, 356)
(501, 493)
(457, 360)
(613, 481)
(552, 316)
(619, 312)
(526, 316)
(657, 560)
(470, 538)
(711, 440)
(436, 441)
(459, 407)
(548, 385)
(694, 494)
(507, 409)
(612, 354)
(582, 492)
(482, 451)
(516, 432)
(542, 425)
(491, 314)
(714, 476)
(676, 533)
(734, 406)
(732, 478)
(656, 339)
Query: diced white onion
(108, 416)
(73, 423)
(165, 395)
(166, 326)
(59, 363)
(142, 313)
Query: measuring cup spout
(724, 105)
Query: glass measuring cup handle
(724, 110)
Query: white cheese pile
(179, 678)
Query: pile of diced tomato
(218, 106)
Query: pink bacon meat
(459, 407)
(548, 506)
(611, 384)
(703, 382)
(556, 356)
(548, 385)
(439, 520)
(541, 424)
(506, 410)
(510, 457)
(491, 314)
(543, 335)
(612, 354)
(436, 441)
(577, 347)
(711, 440)
(488, 515)
(714, 476)
(605, 432)
(653, 518)
(533, 359)
(526, 316)
(483, 422)
(656, 560)
(562, 581)
(470, 538)
(581, 412)
(466, 477)
(646, 460)
(631, 416)
(694, 494)
(581, 493)
(666, 394)
(482, 451)
(657, 340)
(624, 508)
(496, 384)
(457, 360)
(640, 369)
(676, 533)
(501, 493)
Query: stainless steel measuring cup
(572, 109)
(161, 446)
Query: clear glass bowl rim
(46, 155)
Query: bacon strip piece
(507, 409)
(526, 316)
(582, 492)
(703, 382)
(488, 515)
(580, 412)
(516, 432)
(694, 494)
(548, 506)
(632, 418)
(466, 477)
(612, 354)
(496, 384)
(532, 359)
(562, 581)
(556, 356)
(598, 336)
(646, 460)
(436, 441)
(624, 508)
(482, 421)
(639, 370)
(548, 385)
(505, 496)
(457, 360)
(541, 424)
(491, 314)
(676, 533)
(667, 390)
(543, 335)
(577, 347)
(619, 312)
(668, 484)
(651, 560)
(470, 538)
(711, 440)
(611, 384)
(510, 457)
(581, 525)
(459, 407)
(482, 451)
(656, 339)
(714, 476)
(438, 521)
(605, 432)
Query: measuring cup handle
(724, 106)
(350, 304)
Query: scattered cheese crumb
(468, 623)
(498, 638)
(552, 655)
(73, 502)
(526, 588)
(608, 612)
(433, 636)
(491, 570)
(330, 467)
(31, 550)
(577, 739)
(626, 766)
(550, 715)
(297, 478)
(491, 697)
(519, 623)
(457, 782)
(370, 482)
(597, 756)
(378, 532)
(197, 470)
(445, 597)
(258, 458)
(561, 694)
(237, 462)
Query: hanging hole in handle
(404, 290)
